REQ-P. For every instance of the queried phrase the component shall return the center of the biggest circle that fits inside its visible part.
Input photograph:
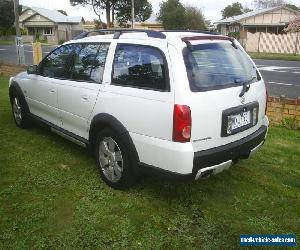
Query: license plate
(239, 120)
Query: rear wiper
(246, 86)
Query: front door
(78, 94)
(42, 89)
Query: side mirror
(32, 70)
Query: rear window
(218, 65)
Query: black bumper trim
(233, 151)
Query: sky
(211, 8)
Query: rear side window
(89, 62)
(59, 63)
(218, 65)
(140, 66)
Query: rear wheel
(19, 113)
(114, 160)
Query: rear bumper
(216, 158)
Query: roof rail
(118, 33)
(193, 31)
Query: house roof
(55, 15)
(238, 18)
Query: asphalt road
(281, 77)
(8, 53)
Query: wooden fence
(272, 43)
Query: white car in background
(185, 103)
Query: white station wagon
(186, 104)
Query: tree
(112, 8)
(142, 9)
(98, 6)
(294, 25)
(246, 9)
(99, 24)
(232, 10)
(293, 7)
(6, 14)
(194, 19)
(172, 15)
(62, 12)
(263, 4)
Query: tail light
(182, 123)
(267, 97)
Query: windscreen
(213, 66)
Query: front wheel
(19, 113)
(114, 160)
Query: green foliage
(121, 9)
(37, 36)
(142, 9)
(232, 10)
(236, 35)
(11, 32)
(99, 25)
(194, 19)
(294, 25)
(290, 123)
(173, 15)
(246, 9)
(6, 14)
(293, 7)
(274, 56)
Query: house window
(272, 30)
(48, 31)
(252, 30)
(38, 17)
(261, 29)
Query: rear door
(226, 93)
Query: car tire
(114, 160)
(19, 111)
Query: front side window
(140, 66)
(89, 63)
(59, 63)
(218, 65)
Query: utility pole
(132, 14)
(19, 42)
(16, 10)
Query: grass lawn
(274, 56)
(52, 197)
(7, 42)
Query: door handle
(84, 97)
(52, 91)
